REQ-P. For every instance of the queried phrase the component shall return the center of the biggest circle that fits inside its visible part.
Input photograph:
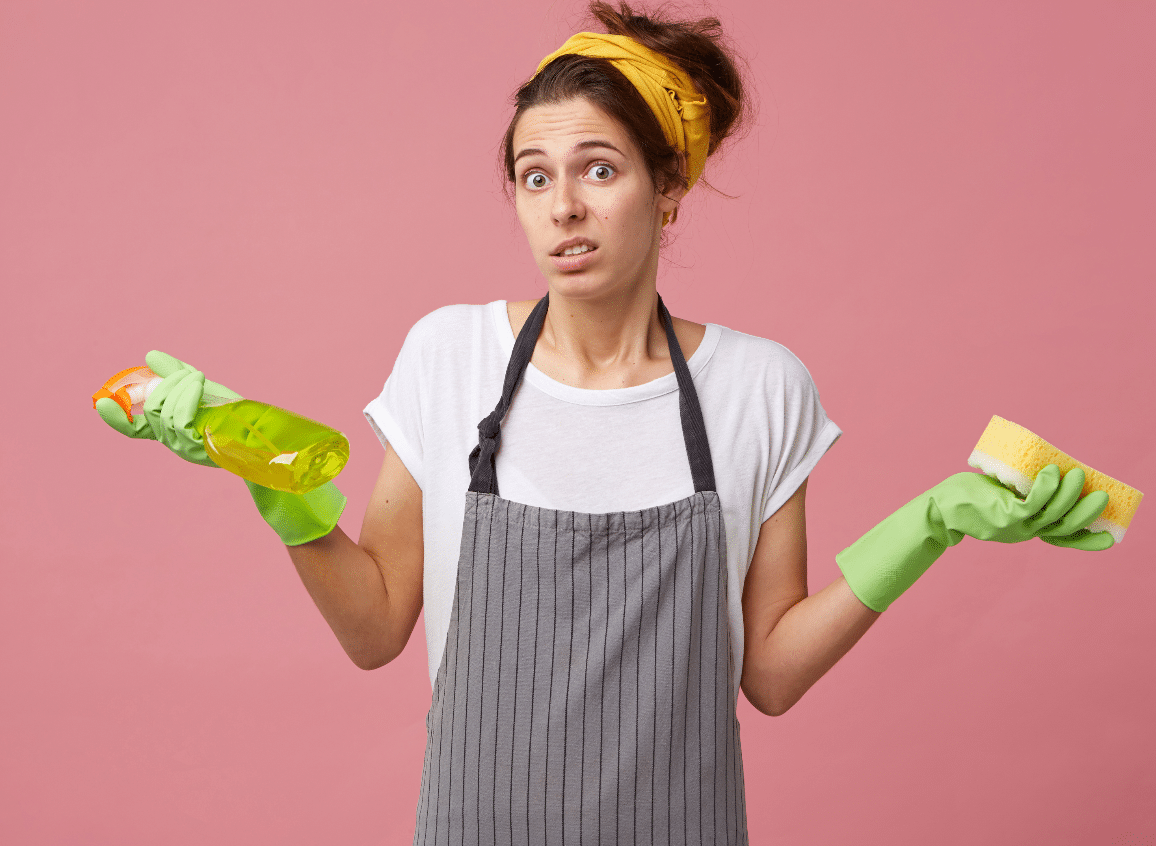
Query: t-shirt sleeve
(807, 434)
(396, 414)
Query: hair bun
(698, 47)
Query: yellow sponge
(1014, 455)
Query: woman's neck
(611, 342)
(609, 333)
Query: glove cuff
(889, 559)
(299, 518)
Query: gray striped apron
(585, 694)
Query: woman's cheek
(607, 209)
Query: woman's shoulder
(450, 323)
(758, 358)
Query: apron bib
(585, 695)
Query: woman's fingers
(1061, 502)
(1083, 540)
(1070, 530)
(156, 402)
(163, 364)
(1080, 516)
(1046, 483)
(169, 411)
(181, 406)
(112, 414)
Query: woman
(591, 618)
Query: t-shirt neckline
(596, 396)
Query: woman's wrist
(299, 518)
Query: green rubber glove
(169, 409)
(168, 418)
(887, 560)
(299, 518)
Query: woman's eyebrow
(581, 145)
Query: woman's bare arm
(792, 639)
(370, 592)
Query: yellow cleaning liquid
(270, 446)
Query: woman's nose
(567, 202)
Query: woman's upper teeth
(573, 251)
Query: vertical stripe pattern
(585, 693)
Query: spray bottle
(265, 444)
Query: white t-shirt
(597, 451)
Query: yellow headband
(682, 112)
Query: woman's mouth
(574, 251)
(574, 258)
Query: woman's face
(581, 182)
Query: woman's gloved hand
(887, 560)
(168, 418)
(170, 408)
(979, 506)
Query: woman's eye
(602, 172)
(535, 180)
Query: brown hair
(696, 46)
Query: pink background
(946, 210)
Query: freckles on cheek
(604, 211)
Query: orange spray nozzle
(128, 389)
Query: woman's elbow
(367, 664)
(774, 708)
(371, 657)
(778, 709)
(767, 703)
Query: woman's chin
(593, 286)
(577, 286)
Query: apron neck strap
(483, 473)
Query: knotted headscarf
(682, 112)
